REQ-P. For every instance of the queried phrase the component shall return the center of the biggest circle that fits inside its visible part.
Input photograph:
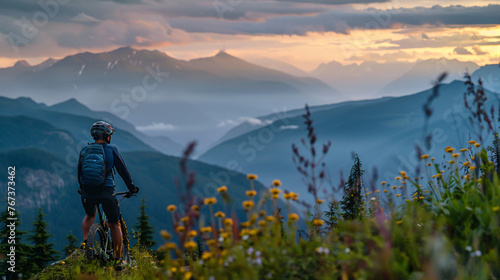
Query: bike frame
(123, 226)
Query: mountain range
(43, 143)
(383, 132)
(147, 87)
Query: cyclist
(91, 196)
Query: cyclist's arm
(121, 168)
(79, 170)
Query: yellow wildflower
(211, 242)
(477, 145)
(295, 196)
(195, 208)
(466, 163)
(428, 164)
(424, 156)
(270, 218)
(385, 191)
(252, 177)
(262, 213)
(192, 233)
(288, 195)
(185, 219)
(248, 204)
(319, 201)
(274, 191)
(399, 222)
(228, 222)
(220, 214)
(464, 150)
(496, 208)
(455, 155)
(165, 234)
(393, 187)
(451, 162)
(293, 217)
(262, 223)
(398, 195)
(206, 229)
(318, 222)
(472, 142)
(181, 229)
(276, 196)
(251, 193)
(206, 255)
(191, 245)
(210, 200)
(172, 208)
(277, 183)
(398, 178)
(222, 189)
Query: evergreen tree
(72, 244)
(352, 202)
(495, 152)
(332, 215)
(144, 233)
(43, 252)
(22, 251)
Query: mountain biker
(101, 132)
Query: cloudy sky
(301, 32)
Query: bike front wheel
(98, 244)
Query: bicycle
(99, 244)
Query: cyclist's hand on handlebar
(132, 191)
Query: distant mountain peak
(71, 105)
(22, 63)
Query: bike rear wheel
(99, 244)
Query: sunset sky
(304, 33)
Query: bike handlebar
(124, 195)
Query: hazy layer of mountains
(372, 79)
(383, 132)
(43, 143)
(184, 98)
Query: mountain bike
(99, 244)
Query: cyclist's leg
(90, 211)
(116, 236)
(112, 210)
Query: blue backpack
(93, 166)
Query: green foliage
(77, 267)
(43, 252)
(72, 244)
(22, 250)
(144, 230)
(352, 203)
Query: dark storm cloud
(337, 2)
(461, 51)
(343, 20)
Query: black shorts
(108, 202)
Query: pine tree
(43, 252)
(22, 265)
(332, 215)
(144, 233)
(352, 202)
(72, 244)
(495, 152)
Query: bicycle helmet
(101, 130)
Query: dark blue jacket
(113, 159)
